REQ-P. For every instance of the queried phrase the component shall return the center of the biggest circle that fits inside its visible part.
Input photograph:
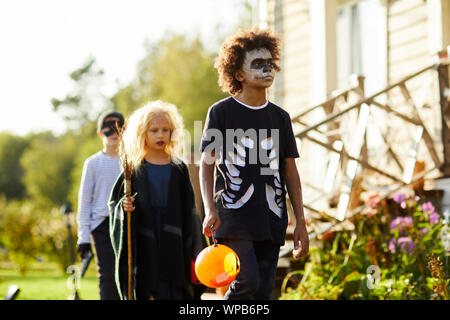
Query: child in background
(100, 171)
(163, 236)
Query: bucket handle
(213, 235)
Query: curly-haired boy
(248, 158)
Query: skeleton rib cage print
(250, 145)
(249, 150)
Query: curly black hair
(232, 54)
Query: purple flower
(403, 224)
(395, 223)
(406, 244)
(399, 197)
(428, 207)
(434, 218)
(424, 230)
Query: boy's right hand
(211, 219)
(83, 249)
(127, 205)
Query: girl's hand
(127, 205)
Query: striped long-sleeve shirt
(100, 171)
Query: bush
(28, 232)
(17, 227)
(386, 256)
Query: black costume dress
(165, 240)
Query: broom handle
(130, 264)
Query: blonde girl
(161, 213)
(155, 120)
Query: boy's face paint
(108, 134)
(158, 134)
(257, 68)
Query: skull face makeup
(257, 68)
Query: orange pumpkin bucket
(217, 265)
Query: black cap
(105, 115)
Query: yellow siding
(408, 52)
(290, 20)
(408, 43)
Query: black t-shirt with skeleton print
(250, 144)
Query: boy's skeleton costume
(230, 196)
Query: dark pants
(105, 261)
(258, 265)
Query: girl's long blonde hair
(134, 139)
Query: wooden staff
(127, 176)
(127, 172)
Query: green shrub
(28, 232)
(392, 237)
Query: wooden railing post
(444, 96)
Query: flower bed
(397, 250)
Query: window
(361, 43)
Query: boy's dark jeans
(105, 261)
(258, 262)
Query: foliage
(43, 171)
(436, 268)
(383, 257)
(85, 101)
(29, 232)
(11, 172)
(17, 223)
(47, 163)
(178, 71)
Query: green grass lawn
(48, 283)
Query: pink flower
(434, 218)
(395, 223)
(408, 222)
(373, 201)
(403, 224)
(405, 243)
(428, 207)
(399, 197)
(392, 245)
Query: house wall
(408, 40)
(290, 20)
(415, 30)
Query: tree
(86, 101)
(47, 163)
(11, 172)
(178, 71)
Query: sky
(42, 42)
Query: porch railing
(341, 132)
